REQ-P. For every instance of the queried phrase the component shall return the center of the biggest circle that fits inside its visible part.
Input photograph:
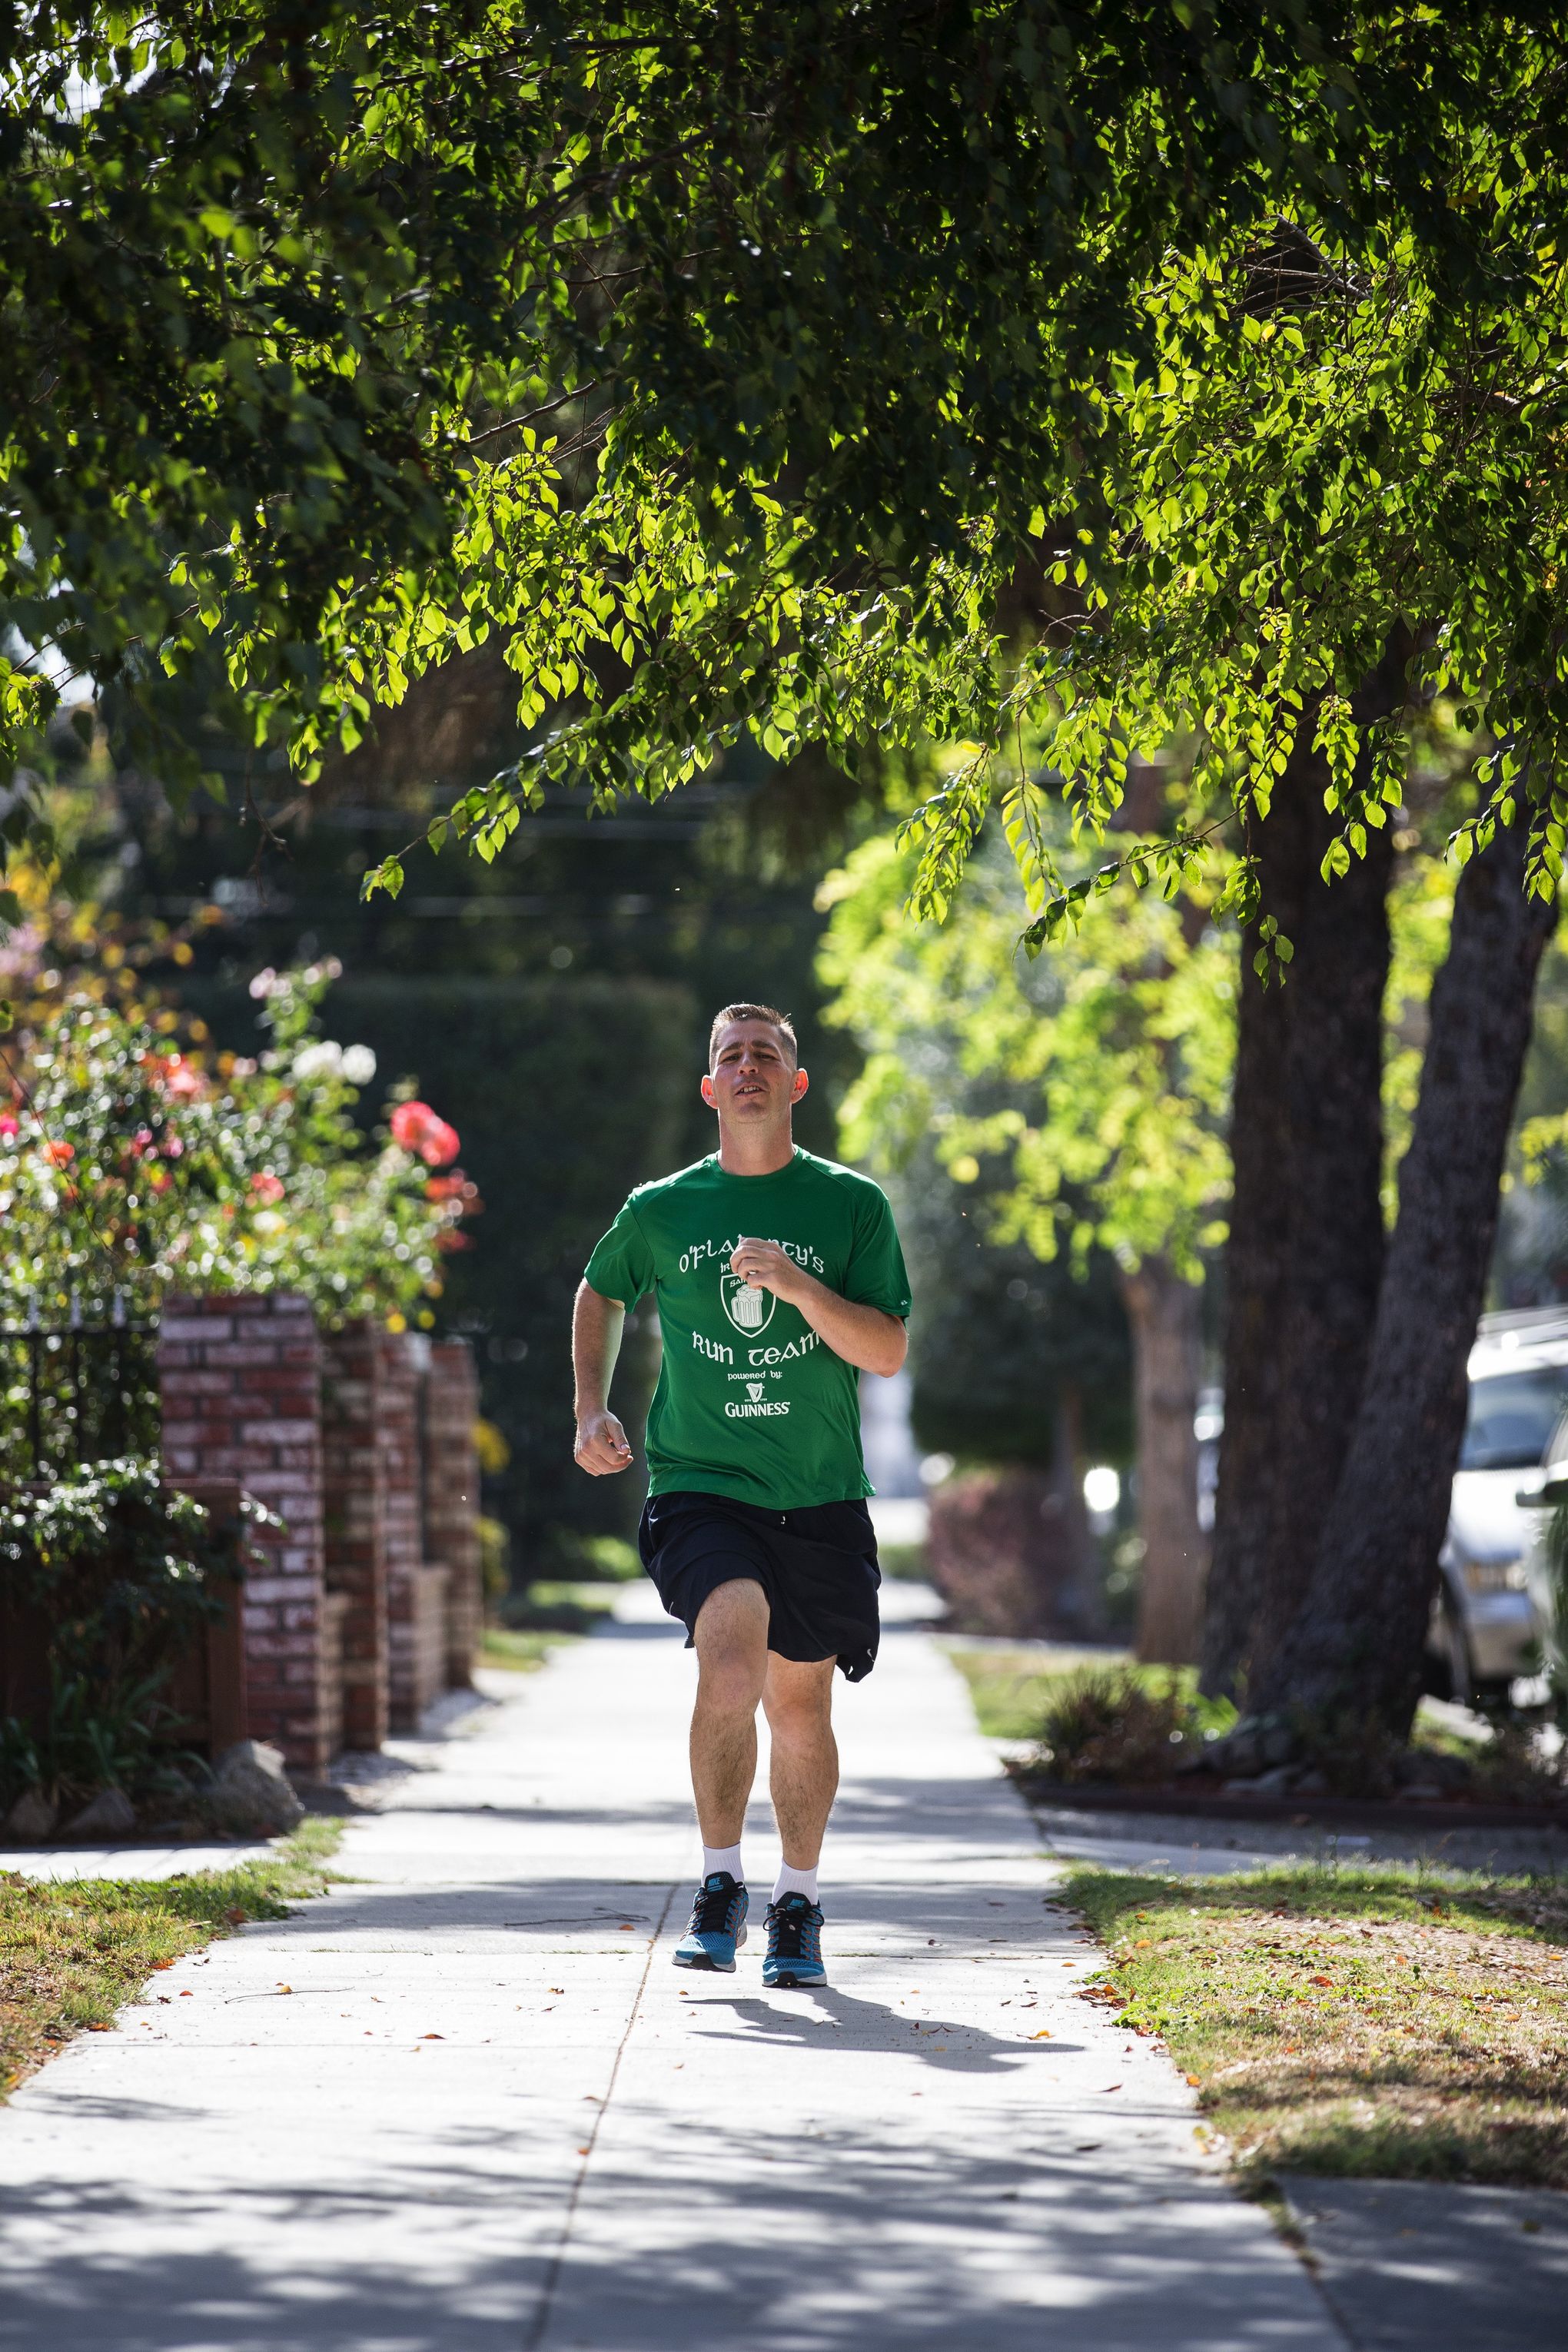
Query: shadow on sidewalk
(946, 2045)
(843, 2244)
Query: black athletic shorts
(817, 1566)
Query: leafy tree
(1115, 1050)
(1092, 1089)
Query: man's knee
(798, 1700)
(731, 1640)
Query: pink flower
(181, 1080)
(266, 1187)
(416, 1127)
(409, 1121)
(8, 1126)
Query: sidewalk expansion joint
(535, 2336)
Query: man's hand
(764, 1266)
(866, 1336)
(601, 1445)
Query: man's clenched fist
(601, 1445)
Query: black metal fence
(82, 1391)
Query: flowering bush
(129, 1167)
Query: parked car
(1542, 1495)
(1488, 1619)
(1486, 1626)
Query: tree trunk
(1166, 1316)
(1355, 1646)
(1305, 1256)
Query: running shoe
(718, 1926)
(794, 1943)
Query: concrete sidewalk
(555, 2143)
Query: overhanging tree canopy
(736, 364)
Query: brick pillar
(414, 1588)
(452, 1499)
(240, 1382)
(353, 1365)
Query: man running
(778, 1277)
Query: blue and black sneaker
(718, 1924)
(794, 1943)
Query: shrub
(121, 1569)
(1111, 1723)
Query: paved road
(464, 2104)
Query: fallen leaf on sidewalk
(1113, 2086)
(432, 2037)
(101, 2028)
(1323, 1980)
(1196, 2081)
(282, 1988)
(1043, 2035)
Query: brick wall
(369, 1605)
(354, 1370)
(240, 1380)
(452, 1499)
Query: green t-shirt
(750, 1401)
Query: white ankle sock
(723, 1857)
(794, 1881)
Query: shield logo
(749, 1310)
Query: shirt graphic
(750, 1401)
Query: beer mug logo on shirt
(749, 1310)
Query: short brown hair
(768, 1012)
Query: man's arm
(866, 1336)
(596, 1327)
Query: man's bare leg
(798, 1700)
(730, 1636)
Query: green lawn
(70, 1954)
(1375, 2021)
(1010, 1686)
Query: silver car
(1486, 1628)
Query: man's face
(753, 1079)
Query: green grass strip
(72, 1953)
(1387, 2020)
